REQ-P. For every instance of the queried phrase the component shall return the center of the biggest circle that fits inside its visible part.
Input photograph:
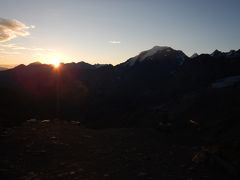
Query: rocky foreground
(39, 150)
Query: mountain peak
(217, 53)
(161, 51)
(148, 53)
(194, 55)
(3, 68)
(35, 63)
(143, 55)
(160, 48)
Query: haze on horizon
(111, 31)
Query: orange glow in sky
(55, 61)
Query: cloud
(9, 53)
(11, 28)
(13, 49)
(40, 49)
(114, 42)
(17, 47)
(12, 46)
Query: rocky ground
(39, 150)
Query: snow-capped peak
(230, 54)
(153, 51)
(145, 54)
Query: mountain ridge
(120, 92)
(150, 52)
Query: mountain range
(158, 85)
(3, 68)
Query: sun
(55, 61)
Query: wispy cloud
(9, 53)
(41, 49)
(17, 47)
(115, 42)
(11, 28)
(12, 46)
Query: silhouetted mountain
(193, 102)
(3, 68)
(6, 67)
(194, 55)
(157, 53)
(218, 53)
(230, 54)
(157, 83)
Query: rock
(45, 121)
(32, 120)
(72, 173)
(75, 122)
(7, 132)
(53, 137)
(30, 176)
(194, 123)
(199, 157)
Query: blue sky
(111, 31)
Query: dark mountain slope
(191, 106)
(122, 95)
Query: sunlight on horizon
(55, 61)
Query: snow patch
(145, 54)
(226, 82)
(152, 51)
(132, 61)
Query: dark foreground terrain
(39, 150)
(158, 115)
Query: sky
(112, 31)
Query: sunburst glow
(55, 61)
